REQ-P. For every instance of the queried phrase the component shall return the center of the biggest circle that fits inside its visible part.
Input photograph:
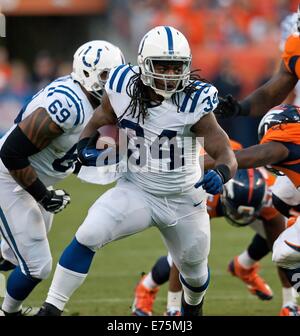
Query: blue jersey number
(62, 114)
(156, 149)
(168, 153)
(210, 103)
(66, 162)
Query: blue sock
(19, 285)
(161, 271)
(5, 266)
(77, 257)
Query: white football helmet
(164, 43)
(92, 63)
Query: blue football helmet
(281, 114)
(243, 196)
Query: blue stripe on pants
(12, 243)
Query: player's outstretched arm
(255, 156)
(32, 135)
(258, 103)
(273, 93)
(261, 155)
(217, 145)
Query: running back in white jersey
(160, 174)
(70, 109)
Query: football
(109, 137)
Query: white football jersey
(70, 109)
(168, 156)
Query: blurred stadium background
(236, 45)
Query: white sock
(192, 298)
(245, 260)
(289, 296)
(11, 305)
(63, 285)
(148, 281)
(174, 300)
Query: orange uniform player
(290, 55)
(289, 135)
(244, 266)
(279, 149)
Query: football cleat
(172, 312)
(3, 313)
(256, 285)
(25, 311)
(189, 310)
(48, 309)
(292, 310)
(143, 299)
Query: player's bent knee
(95, 233)
(196, 253)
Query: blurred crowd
(235, 44)
(235, 39)
(18, 82)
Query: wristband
(37, 190)
(224, 172)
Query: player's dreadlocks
(140, 95)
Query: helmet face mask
(165, 47)
(97, 88)
(166, 84)
(92, 63)
(240, 216)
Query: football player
(159, 102)
(279, 134)
(240, 210)
(36, 153)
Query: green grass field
(108, 290)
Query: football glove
(98, 157)
(55, 200)
(228, 107)
(212, 182)
(89, 155)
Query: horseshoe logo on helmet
(97, 58)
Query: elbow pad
(16, 150)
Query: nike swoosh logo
(195, 205)
(293, 246)
(88, 155)
(68, 103)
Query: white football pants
(24, 225)
(182, 220)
